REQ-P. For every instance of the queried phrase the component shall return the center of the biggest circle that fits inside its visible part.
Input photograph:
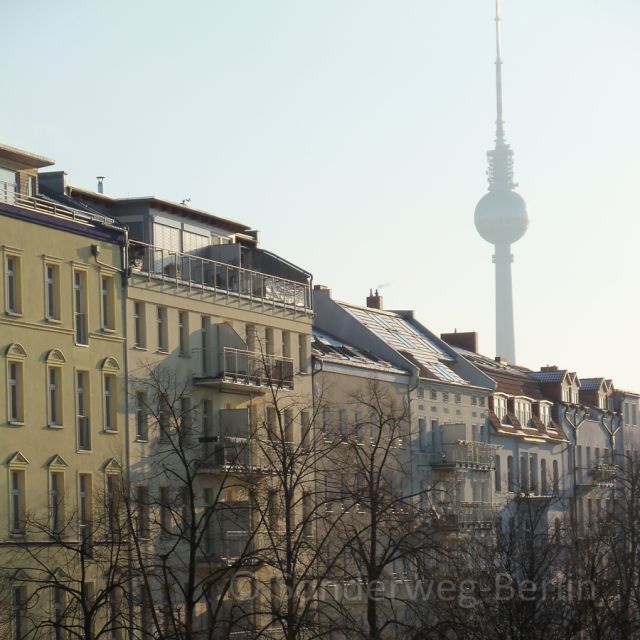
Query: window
(422, 433)
(142, 499)
(524, 474)
(326, 423)
(433, 394)
(544, 484)
(510, 478)
(183, 332)
(165, 510)
(306, 429)
(18, 501)
(54, 378)
(498, 474)
(556, 477)
(458, 398)
(16, 393)
(445, 396)
(161, 319)
(31, 186)
(500, 407)
(107, 303)
(545, 414)
(82, 411)
(52, 291)
(112, 506)
(57, 609)
(80, 306)
(85, 511)
(142, 417)
(343, 423)
(110, 402)
(56, 501)
(12, 284)
(288, 426)
(18, 613)
(186, 417)
(139, 325)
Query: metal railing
(465, 453)
(476, 513)
(603, 474)
(218, 277)
(240, 366)
(9, 193)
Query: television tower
(501, 218)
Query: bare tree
(67, 578)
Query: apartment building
(63, 417)
(451, 458)
(530, 470)
(219, 364)
(363, 468)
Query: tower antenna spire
(499, 120)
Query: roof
(408, 340)
(549, 376)
(160, 203)
(25, 159)
(590, 384)
(329, 348)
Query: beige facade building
(219, 369)
(63, 409)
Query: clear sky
(353, 134)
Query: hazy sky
(353, 134)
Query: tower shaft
(505, 334)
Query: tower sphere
(501, 216)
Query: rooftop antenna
(499, 120)
(186, 202)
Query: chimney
(501, 360)
(100, 180)
(464, 340)
(374, 301)
(549, 367)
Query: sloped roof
(407, 339)
(549, 376)
(332, 349)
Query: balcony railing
(476, 514)
(9, 194)
(604, 475)
(242, 367)
(467, 453)
(219, 278)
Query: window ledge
(18, 535)
(55, 426)
(163, 351)
(139, 347)
(143, 440)
(14, 314)
(111, 430)
(53, 320)
(16, 423)
(84, 450)
(81, 344)
(107, 330)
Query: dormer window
(603, 402)
(523, 412)
(500, 407)
(545, 414)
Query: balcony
(603, 475)
(10, 195)
(241, 370)
(465, 515)
(465, 454)
(228, 547)
(222, 281)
